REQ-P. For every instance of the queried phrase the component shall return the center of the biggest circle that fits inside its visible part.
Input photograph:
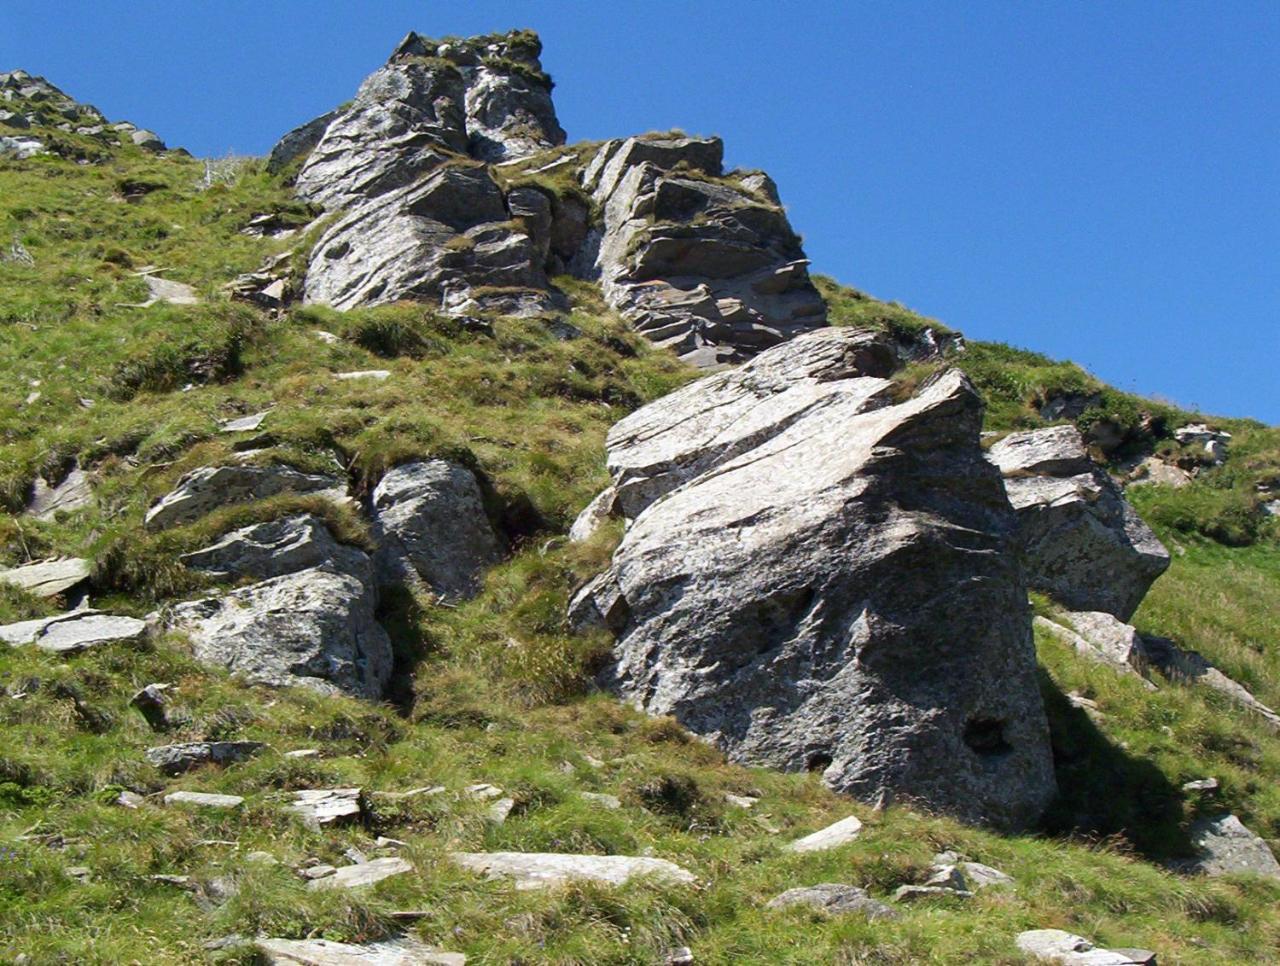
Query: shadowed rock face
(836, 592)
(1084, 544)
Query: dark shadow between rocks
(1103, 792)
(400, 614)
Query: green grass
(496, 689)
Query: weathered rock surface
(279, 547)
(697, 262)
(594, 515)
(1058, 946)
(1214, 441)
(167, 290)
(210, 487)
(835, 898)
(48, 578)
(537, 870)
(73, 631)
(1225, 847)
(318, 807)
(204, 800)
(179, 758)
(431, 526)
(324, 952)
(299, 142)
(835, 590)
(362, 875)
(833, 836)
(1084, 544)
(315, 628)
(74, 493)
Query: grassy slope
(498, 690)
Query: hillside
(496, 353)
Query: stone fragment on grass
(377, 375)
(327, 806)
(74, 493)
(204, 800)
(836, 898)
(178, 758)
(245, 424)
(611, 802)
(73, 631)
(48, 578)
(324, 952)
(1224, 846)
(151, 702)
(833, 836)
(536, 870)
(362, 874)
(1067, 949)
(166, 290)
(210, 487)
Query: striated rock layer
(817, 576)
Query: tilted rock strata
(840, 596)
(1084, 544)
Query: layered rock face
(449, 188)
(704, 264)
(1084, 544)
(818, 577)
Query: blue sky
(1100, 182)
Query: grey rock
(710, 270)
(1213, 441)
(406, 119)
(75, 492)
(1101, 637)
(1058, 946)
(430, 524)
(1155, 470)
(1201, 786)
(978, 877)
(914, 893)
(128, 799)
(211, 487)
(363, 875)
(245, 424)
(833, 836)
(147, 140)
(498, 812)
(740, 801)
(20, 148)
(611, 802)
(1083, 543)
(279, 547)
(509, 114)
(179, 758)
(1225, 847)
(536, 870)
(316, 628)
(444, 240)
(166, 290)
(151, 703)
(318, 807)
(74, 631)
(204, 800)
(299, 142)
(317, 871)
(679, 956)
(594, 515)
(376, 375)
(49, 577)
(324, 952)
(835, 590)
(835, 898)
(693, 430)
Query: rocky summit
(445, 540)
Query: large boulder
(310, 622)
(1224, 846)
(703, 264)
(431, 527)
(1084, 545)
(838, 594)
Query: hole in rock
(817, 761)
(986, 736)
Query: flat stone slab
(47, 578)
(175, 293)
(245, 424)
(75, 631)
(327, 806)
(835, 898)
(73, 493)
(204, 800)
(375, 374)
(1059, 946)
(363, 874)
(611, 802)
(322, 952)
(833, 836)
(538, 870)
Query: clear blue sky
(1097, 181)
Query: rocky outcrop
(828, 584)
(833, 898)
(310, 620)
(28, 101)
(1083, 543)
(431, 528)
(705, 264)
(176, 759)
